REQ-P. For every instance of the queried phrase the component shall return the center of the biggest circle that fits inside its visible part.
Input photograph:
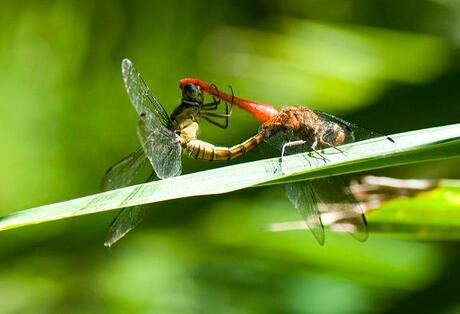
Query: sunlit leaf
(409, 147)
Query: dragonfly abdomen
(206, 151)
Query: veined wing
(140, 95)
(155, 138)
(159, 143)
(354, 132)
(126, 220)
(165, 156)
(323, 201)
(339, 208)
(122, 173)
(328, 202)
(161, 147)
(303, 197)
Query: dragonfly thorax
(186, 117)
(185, 122)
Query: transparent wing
(280, 138)
(126, 220)
(325, 201)
(354, 132)
(158, 142)
(122, 173)
(303, 198)
(140, 95)
(161, 147)
(339, 208)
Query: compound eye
(192, 90)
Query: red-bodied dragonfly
(163, 137)
(300, 129)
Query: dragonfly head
(333, 134)
(192, 93)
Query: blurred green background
(389, 66)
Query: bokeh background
(390, 66)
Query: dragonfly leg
(216, 123)
(333, 146)
(313, 147)
(216, 101)
(226, 116)
(290, 144)
(213, 106)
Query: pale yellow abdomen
(205, 151)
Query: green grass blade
(409, 147)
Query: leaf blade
(415, 146)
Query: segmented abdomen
(206, 151)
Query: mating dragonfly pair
(163, 137)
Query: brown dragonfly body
(296, 130)
(302, 122)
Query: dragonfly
(163, 138)
(301, 129)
